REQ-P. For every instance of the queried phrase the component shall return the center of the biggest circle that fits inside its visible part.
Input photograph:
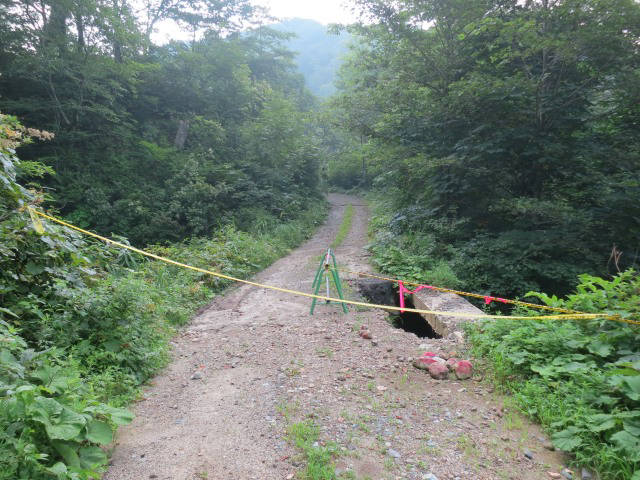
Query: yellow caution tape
(464, 294)
(581, 316)
(37, 223)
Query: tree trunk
(181, 134)
(80, 29)
(117, 46)
(55, 31)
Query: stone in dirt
(366, 334)
(420, 364)
(463, 369)
(451, 363)
(586, 474)
(429, 357)
(554, 475)
(438, 371)
(393, 453)
(568, 474)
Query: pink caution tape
(488, 300)
(404, 290)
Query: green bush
(50, 423)
(413, 256)
(580, 379)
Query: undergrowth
(579, 379)
(411, 256)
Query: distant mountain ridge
(319, 54)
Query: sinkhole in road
(412, 322)
(384, 292)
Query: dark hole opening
(412, 322)
(386, 293)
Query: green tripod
(328, 269)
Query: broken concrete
(441, 301)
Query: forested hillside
(318, 52)
(160, 142)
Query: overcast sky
(323, 11)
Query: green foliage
(164, 142)
(319, 459)
(580, 379)
(51, 424)
(409, 256)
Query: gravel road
(217, 411)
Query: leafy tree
(132, 119)
(503, 117)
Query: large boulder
(439, 371)
(463, 370)
(422, 363)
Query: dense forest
(504, 132)
(498, 142)
(160, 142)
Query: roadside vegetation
(319, 459)
(579, 379)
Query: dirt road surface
(217, 411)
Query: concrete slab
(441, 301)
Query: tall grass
(345, 227)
